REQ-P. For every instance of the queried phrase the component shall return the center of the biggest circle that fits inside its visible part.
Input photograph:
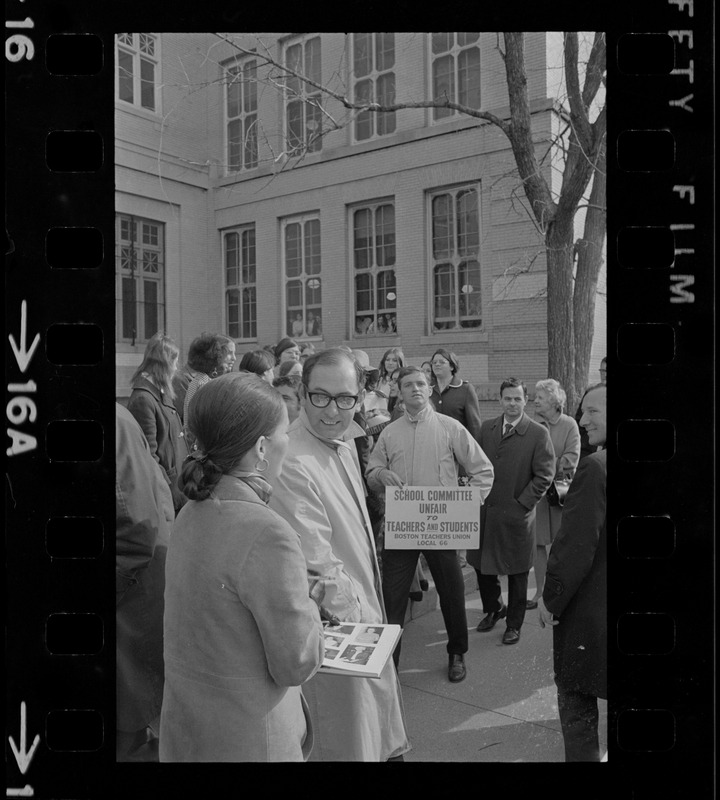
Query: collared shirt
(425, 449)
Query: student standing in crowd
(524, 462)
(320, 492)
(390, 365)
(585, 447)
(286, 350)
(550, 400)
(574, 600)
(143, 515)
(422, 449)
(152, 404)
(260, 363)
(212, 356)
(289, 388)
(241, 630)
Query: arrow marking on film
(22, 756)
(23, 356)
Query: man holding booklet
(424, 448)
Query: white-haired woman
(550, 400)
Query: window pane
(231, 259)
(128, 308)
(362, 238)
(295, 124)
(125, 76)
(233, 313)
(364, 292)
(147, 84)
(443, 84)
(313, 124)
(467, 222)
(293, 295)
(126, 258)
(364, 119)
(469, 77)
(293, 254)
(126, 38)
(234, 93)
(387, 295)
(312, 60)
(150, 234)
(147, 43)
(442, 226)
(444, 292)
(362, 54)
(385, 235)
(248, 256)
(314, 322)
(234, 132)
(312, 247)
(150, 261)
(249, 313)
(293, 59)
(250, 86)
(152, 310)
(386, 96)
(470, 297)
(250, 150)
(467, 38)
(441, 42)
(384, 51)
(313, 292)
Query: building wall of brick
(171, 167)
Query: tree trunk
(588, 269)
(560, 315)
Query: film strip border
(60, 415)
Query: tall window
(140, 276)
(240, 283)
(303, 282)
(303, 117)
(374, 81)
(455, 256)
(137, 72)
(241, 115)
(374, 261)
(455, 70)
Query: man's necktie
(508, 428)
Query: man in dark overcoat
(574, 600)
(143, 515)
(523, 458)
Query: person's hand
(389, 478)
(544, 616)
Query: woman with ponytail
(242, 623)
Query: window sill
(441, 337)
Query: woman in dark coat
(152, 404)
(453, 396)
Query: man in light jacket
(424, 448)
(321, 494)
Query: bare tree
(572, 266)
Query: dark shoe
(416, 596)
(511, 636)
(531, 604)
(456, 669)
(488, 622)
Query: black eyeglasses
(343, 401)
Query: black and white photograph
(333, 264)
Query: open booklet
(358, 649)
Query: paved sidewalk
(506, 708)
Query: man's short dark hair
(333, 357)
(405, 371)
(511, 383)
(293, 381)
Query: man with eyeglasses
(320, 492)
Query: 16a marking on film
(21, 408)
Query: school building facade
(255, 205)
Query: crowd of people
(250, 509)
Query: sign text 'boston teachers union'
(432, 516)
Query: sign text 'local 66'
(441, 517)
